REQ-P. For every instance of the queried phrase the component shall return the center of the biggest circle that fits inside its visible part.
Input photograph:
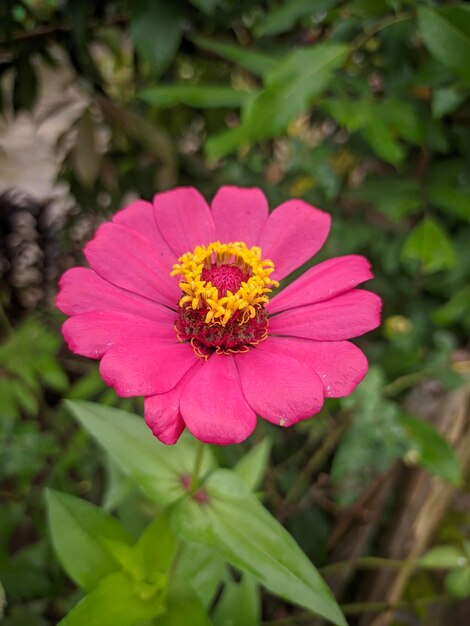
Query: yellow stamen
(199, 293)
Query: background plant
(359, 107)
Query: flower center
(225, 289)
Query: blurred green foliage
(361, 108)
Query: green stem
(197, 467)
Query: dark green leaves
(199, 96)
(430, 450)
(429, 245)
(156, 27)
(259, 63)
(235, 524)
(290, 88)
(283, 18)
(446, 32)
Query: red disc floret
(209, 338)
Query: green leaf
(199, 96)
(378, 123)
(239, 605)
(267, 551)
(433, 453)
(206, 6)
(156, 28)
(445, 101)
(457, 582)
(282, 19)
(157, 544)
(252, 466)
(114, 601)
(455, 309)
(183, 608)
(290, 89)
(202, 568)
(156, 468)
(429, 244)
(76, 529)
(443, 557)
(446, 33)
(256, 62)
(86, 157)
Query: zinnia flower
(178, 306)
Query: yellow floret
(201, 294)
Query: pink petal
(213, 405)
(92, 334)
(140, 216)
(163, 418)
(184, 219)
(127, 259)
(322, 282)
(162, 413)
(145, 367)
(239, 214)
(348, 315)
(82, 290)
(293, 233)
(340, 365)
(277, 386)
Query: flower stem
(197, 467)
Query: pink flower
(177, 305)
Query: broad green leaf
(457, 582)
(443, 557)
(282, 19)
(77, 528)
(239, 605)
(234, 523)
(156, 468)
(202, 568)
(199, 96)
(429, 244)
(290, 89)
(156, 29)
(446, 32)
(433, 452)
(115, 600)
(254, 61)
(183, 608)
(86, 156)
(157, 544)
(252, 466)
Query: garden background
(359, 107)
